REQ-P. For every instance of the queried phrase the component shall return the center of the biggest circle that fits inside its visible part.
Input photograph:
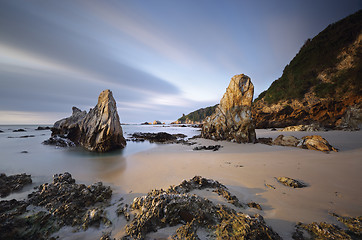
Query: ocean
(23, 152)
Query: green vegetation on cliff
(198, 115)
(321, 55)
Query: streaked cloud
(159, 58)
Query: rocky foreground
(66, 203)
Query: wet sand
(334, 180)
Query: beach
(333, 179)
(249, 171)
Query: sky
(160, 58)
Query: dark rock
(9, 218)
(123, 210)
(13, 183)
(211, 147)
(354, 224)
(24, 152)
(268, 141)
(25, 136)
(187, 232)
(59, 142)
(99, 130)
(42, 128)
(161, 137)
(1, 131)
(241, 226)
(290, 182)
(69, 202)
(19, 130)
(319, 231)
(254, 205)
(106, 236)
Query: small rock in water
(59, 142)
(42, 128)
(19, 130)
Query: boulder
(211, 147)
(282, 140)
(290, 182)
(98, 131)
(232, 118)
(316, 142)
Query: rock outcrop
(98, 131)
(321, 86)
(313, 142)
(232, 118)
(325, 230)
(176, 206)
(13, 183)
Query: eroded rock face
(98, 131)
(232, 118)
(101, 130)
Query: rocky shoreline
(63, 202)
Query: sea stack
(101, 129)
(97, 131)
(232, 118)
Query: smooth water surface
(42, 161)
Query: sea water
(23, 152)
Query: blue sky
(160, 58)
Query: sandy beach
(333, 179)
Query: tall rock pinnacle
(232, 118)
